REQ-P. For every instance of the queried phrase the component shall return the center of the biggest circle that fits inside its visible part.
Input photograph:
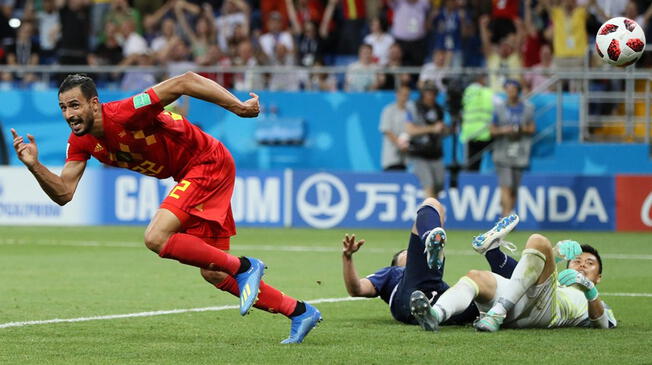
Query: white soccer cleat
(495, 236)
(423, 312)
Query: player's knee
(155, 240)
(538, 242)
(212, 276)
(433, 203)
(476, 275)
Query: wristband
(591, 294)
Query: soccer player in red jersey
(194, 223)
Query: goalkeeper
(534, 297)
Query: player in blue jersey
(419, 268)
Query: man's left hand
(250, 107)
(570, 277)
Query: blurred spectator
(434, 71)
(392, 125)
(234, 13)
(287, 78)
(391, 80)
(533, 37)
(321, 81)
(249, 80)
(309, 45)
(144, 7)
(168, 33)
(477, 114)
(269, 7)
(472, 45)
(109, 52)
(351, 26)
(203, 36)
(120, 12)
(426, 131)
(24, 51)
(503, 60)
(75, 32)
(49, 29)
(409, 29)
(447, 31)
(217, 59)
(99, 9)
(362, 75)
(541, 72)
(380, 41)
(308, 41)
(152, 26)
(301, 12)
(569, 37)
(178, 58)
(7, 33)
(132, 42)
(138, 80)
(512, 130)
(275, 35)
(631, 12)
(503, 15)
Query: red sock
(270, 299)
(191, 250)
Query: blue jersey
(385, 280)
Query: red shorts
(202, 199)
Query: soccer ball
(620, 41)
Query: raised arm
(355, 286)
(61, 188)
(326, 18)
(294, 19)
(485, 34)
(202, 88)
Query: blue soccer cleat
(434, 247)
(495, 236)
(249, 283)
(302, 324)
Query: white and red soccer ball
(620, 41)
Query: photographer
(512, 130)
(426, 131)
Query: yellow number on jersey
(182, 186)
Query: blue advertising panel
(390, 200)
(126, 197)
(545, 202)
(325, 200)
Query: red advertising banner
(634, 203)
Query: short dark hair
(395, 257)
(85, 83)
(590, 249)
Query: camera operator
(426, 131)
(512, 130)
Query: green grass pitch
(65, 273)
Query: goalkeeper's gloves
(566, 250)
(570, 277)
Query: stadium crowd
(370, 36)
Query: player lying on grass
(534, 297)
(420, 267)
(194, 223)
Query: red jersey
(141, 136)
